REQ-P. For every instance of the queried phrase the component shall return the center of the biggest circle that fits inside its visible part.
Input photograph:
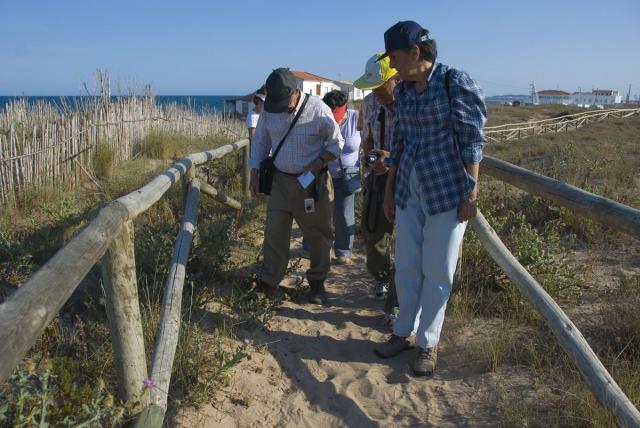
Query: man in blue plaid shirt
(432, 187)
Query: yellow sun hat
(376, 73)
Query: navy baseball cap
(403, 35)
(281, 84)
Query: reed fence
(110, 238)
(46, 145)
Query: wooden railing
(516, 131)
(110, 237)
(594, 207)
(24, 316)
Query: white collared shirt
(315, 132)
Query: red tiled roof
(552, 92)
(309, 76)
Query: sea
(203, 104)
(501, 99)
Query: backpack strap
(447, 83)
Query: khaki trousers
(286, 203)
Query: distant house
(239, 106)
(308, 83)
(353, 92)
(597, 97)
(553, 96)
(313, 84)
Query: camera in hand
(371, 158)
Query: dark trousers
(377, 233)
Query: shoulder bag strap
(295, 119)
(382, 118)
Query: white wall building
(308, 83)
(313, 84)
(597, 97)
(353, 92)
(240, 106)
(553, 96)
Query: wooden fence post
(123, 310)
(246, 171)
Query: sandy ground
(319, 370)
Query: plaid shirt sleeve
(397, 143)
(469, 116)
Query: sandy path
(320, 371)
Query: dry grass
(75, 350)
(103, 161)
(603, 158)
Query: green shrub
(51, 395)
(483, 286)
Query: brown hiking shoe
(343, 260)
(425, 362)
(393, 346)
(272, 292)
(317, 294)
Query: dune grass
(548, 240)
(56, 383)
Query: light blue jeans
(426, 256)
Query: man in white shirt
(252, 118)
(312, 143)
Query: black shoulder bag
(267, 167)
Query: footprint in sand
(360, 387)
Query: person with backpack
(432, 189)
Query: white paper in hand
(305, 179)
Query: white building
(239, 106)
(597, 97)
(308, 83)
(353, 92)
(553, 96)
(313, 84)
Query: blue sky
(229, 47)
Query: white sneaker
(380, 290)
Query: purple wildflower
(148, 384)
(246, 342)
